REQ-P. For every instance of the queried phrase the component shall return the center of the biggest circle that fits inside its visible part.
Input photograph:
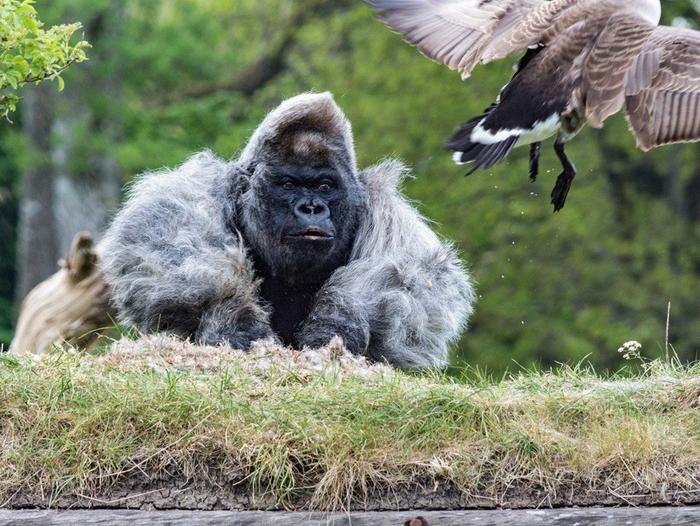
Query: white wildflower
(630, 350)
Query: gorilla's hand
(231, 324)
(320, 328)
(243, 338)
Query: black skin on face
(313, 198)
(310, 218)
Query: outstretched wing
(662, 89)
(463, 33)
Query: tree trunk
(88, 179)
(73, 182)
(37, 249)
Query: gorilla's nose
(312, 211)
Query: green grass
(334, 429)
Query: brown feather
(663, 89)
(454, 32)
(604, 70)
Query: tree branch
(271, 62)
(47, 76)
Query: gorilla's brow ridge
(304, 174)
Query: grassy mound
(325, 430)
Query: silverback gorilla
(288, 242)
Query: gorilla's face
(304, 220)
(311, 199)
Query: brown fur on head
(307, 147)
(310, 127)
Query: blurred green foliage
(29, 53)
(552, 288)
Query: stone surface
(670, 516)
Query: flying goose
(584, 60)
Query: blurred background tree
(169, 77)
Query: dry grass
(334, 430)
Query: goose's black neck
(531, 53)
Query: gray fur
(175, 258)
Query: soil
(170, 492)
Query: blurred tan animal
(70, 307)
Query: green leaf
(31, 53)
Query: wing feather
(662, 89)
(457, 32)
(604, 71)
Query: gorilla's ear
(306, 129)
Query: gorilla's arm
(172, 263)
(405, 296)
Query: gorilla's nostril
(311, 209)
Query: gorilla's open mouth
(313, 233)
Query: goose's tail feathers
(483, 155)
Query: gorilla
(289, 242)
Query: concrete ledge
(669, 516)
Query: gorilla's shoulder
(191, 180)
(385, 177)
(392, 224)
(175, 212)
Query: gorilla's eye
(288, 185)
(326, 184)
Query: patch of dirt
(226, 493)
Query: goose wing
(620, 41)
(462, 33)
(662, 89)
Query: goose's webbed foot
(565, 179)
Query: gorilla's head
(302, 200)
